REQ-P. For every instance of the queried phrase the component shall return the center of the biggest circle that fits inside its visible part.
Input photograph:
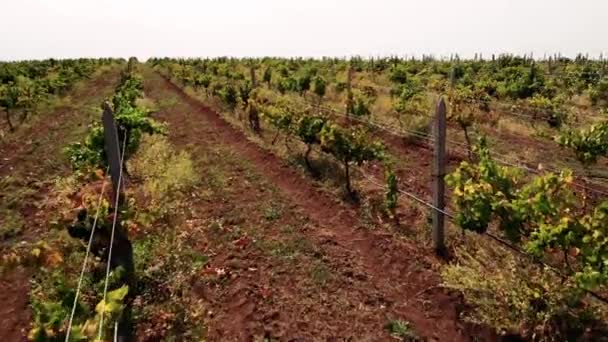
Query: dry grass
(515, 296)
(515, 126)
(166, 175)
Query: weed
(322, 168)
(402, 330)
(281, 249)
(510, 125)
(514, 297)
(415, 123)
(147, 103)
(167, 102)
(320, 274)
(15, 192)
(234, 217)
(11, 224)
(215, 178)
(367, 214)
(290, 249)
(166, 265)
(273, 213)
(143, 250)
(167, 175)
(216, 227)
(289, 229)
(305, 246)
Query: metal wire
(451, 217)
(408, 194)
(86, 258)
(429, 137)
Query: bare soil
(375, 276)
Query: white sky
(76, 28)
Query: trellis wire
(518, 164)
(490, 235)
(86, 258)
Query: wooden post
(350, 77)
(349, 90)
(122, 254)
(112, 146)
(453, 77)
(439, 129)
(252, 74)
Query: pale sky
(189, 28)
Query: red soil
(402, 275)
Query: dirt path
(396, 274)
(30, 159)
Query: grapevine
(588, 144)
(130, 118)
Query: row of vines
(25, 85)
(348, 145)
(89, 308)
(543, 214)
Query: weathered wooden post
(453, 77)
(252, 75)
(122, 249)
(349, 90)
(112, 146)
(439, 129)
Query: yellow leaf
(36, 252)
(99, 173)
(32, 334)
(53, 259)
(101, 307)
(90, 327)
